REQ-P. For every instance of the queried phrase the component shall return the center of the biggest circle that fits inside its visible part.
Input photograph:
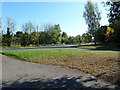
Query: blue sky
(68, 14)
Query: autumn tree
(114, 18)
(105, 34)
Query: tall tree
(114, 18)
(53, 34)
(92, 17)
(114, 11)
(48, 32)
(28, 28)
(37, 34)
(10, 30)
(56, 34)
(9, 37)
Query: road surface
(59, 47)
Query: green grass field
(103, 64)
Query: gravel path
(20, 74)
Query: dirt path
(20, 74)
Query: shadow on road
(63, 82)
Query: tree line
(52, 34)
(104, 34)
(31, 35)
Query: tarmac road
(54, 47)
(60, 47)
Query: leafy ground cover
(102, 64)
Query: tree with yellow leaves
(109, 34)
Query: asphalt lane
(54, 47)
(61, 47)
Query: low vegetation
(102, 64)
(99, 47)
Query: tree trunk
(95, 40)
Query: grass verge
(99, 47)
(102, 64)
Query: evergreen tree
(64, 38)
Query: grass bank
(99, 47)
(102, 64)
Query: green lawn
(103, 64)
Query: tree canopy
(92, 17)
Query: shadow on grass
(104, 49)
(99, 47)
(62, 83)
(113, 48)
